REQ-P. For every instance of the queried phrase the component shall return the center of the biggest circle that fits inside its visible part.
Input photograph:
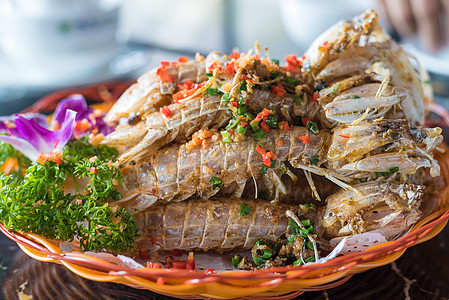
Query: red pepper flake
(268, 157)
(293, 64)
(209, 271)
(243, 124)
(315, 96)
(280, 142)
(153, 191)
(231, 68)
(153, 240)
(183, 59)
(166, 111)
(213, 66)
(94, 170)
(260, 149)
(186, 85)
(186, 89)
(278, 90)
(264, 127)
(235, 55)
(175, 252)
(163, 75)
(304, 139)
(144, 254)
(304, 121)
(262, 116)
(165, 63)
(344, 136)
(284, 126)
(234, 103)
(160, 280)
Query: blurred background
(47, 45)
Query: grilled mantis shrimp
(358, 47)
(177, 172)
(384, 145)
(214, 224)
(151, 91)
(387, 207)
(158, 129)
(204, 110)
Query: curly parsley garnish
(39, 204)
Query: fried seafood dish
(239, 152)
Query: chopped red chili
(166, 111)
(278, 90)
(304, 139)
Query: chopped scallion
(297, 98)
(259, 134)
(314, 160)
(212, 91)
(313, 127)
(236, 260)
(216, 183)
(226, 97)
(241, 130)
(244, 209)
(225, 136)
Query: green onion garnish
(275, 61)
(236, 260)
(298, 262)
(334, 90)
(241, 130)
(244, 209)
(259, 134)
(255, 126)
(242, 109)
(306, 222)
(393, 170)
(216, 183)
(314, 160)
(212, 91)
(310, 245)
(297, 98)
(243, 84)
(225, 136)
(312, 127)
(310, 259)
(292, 81)
(209, 74)
(292, 224)
(226, 97)
(272, 122)
(233, 123)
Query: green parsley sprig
(39, 204)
